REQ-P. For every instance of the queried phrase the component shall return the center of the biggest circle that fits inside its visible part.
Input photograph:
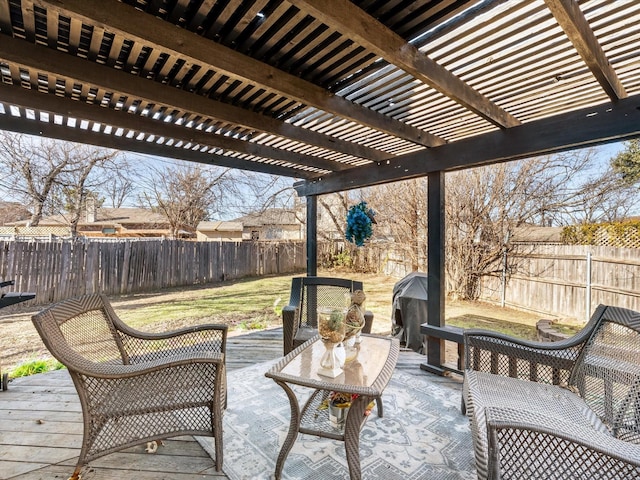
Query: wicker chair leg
(218, 447)
(76, 473)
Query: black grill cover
(410, 310)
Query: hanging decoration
(359, 223)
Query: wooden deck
(41, 425)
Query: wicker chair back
(136, 387)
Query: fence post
(503, 294)
(587, 312)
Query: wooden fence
(558, 280)
(55, 270)
(372, 258)
(567, 280)
(564, 280)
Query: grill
(7, 299)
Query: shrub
(35, 366)
(614, 234)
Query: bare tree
(484, 206)
(49, 175)
(185, 194)
(332, 213)
(252, 193)
(401, 216)
(579, 188)
(120, 186)
(78, 183)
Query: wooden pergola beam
(133, 24)
(355, 23)
(609, 122)
(577, 28)
(121, 119)
(58, 64)
(22, 124)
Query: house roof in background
(219, 226)
(270, 216)
(536, 234)
(338, 93)
(111, 216)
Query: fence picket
(59, 269)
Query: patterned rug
(423, 435)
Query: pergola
(338, 94)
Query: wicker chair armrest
(213, 329)
(289, 326)
(520, 450)
(141, 346)
(82, 366)
(500, 354)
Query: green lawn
(256, 303)
(251, 303)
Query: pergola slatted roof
(337, 93)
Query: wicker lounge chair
(299, 318)
(136, 387)
(561, 410)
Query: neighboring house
(13, 212)
(272, 224)
(106, 222)
(537, 234)
(219, 231)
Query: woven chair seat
(562, 410)
(135, 387)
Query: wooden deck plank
(62, 472)
(38, 415)
(44, 406)
(26, 396)
(154, 462)
(34, 426)
(58, 390)
(41, 423)
(11, 469)
(41, 439)
(52, 379)
(185, 447)
(41, 454)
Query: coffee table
(367, 375)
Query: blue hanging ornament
(360, 219)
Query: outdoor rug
(423, 435)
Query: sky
(236, 209)
(610, 150)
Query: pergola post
(435, 270)
(312, 235)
